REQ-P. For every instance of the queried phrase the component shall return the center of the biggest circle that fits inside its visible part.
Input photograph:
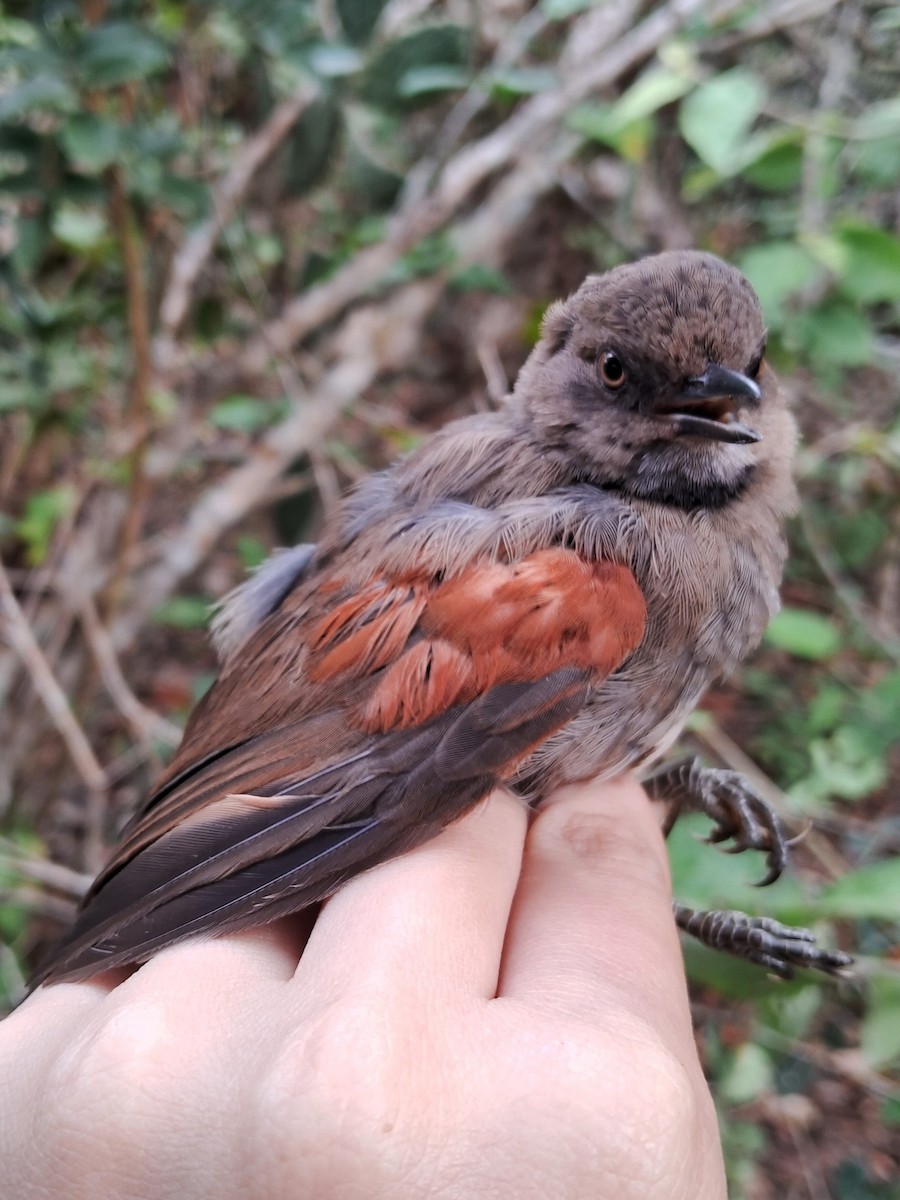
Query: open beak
(707, 406)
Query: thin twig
(138, 411)
(199, 245)
(769, 19)
(847, 593)
(840, 62)
(143, 722)
(43, 871)
(23, 641)
(38, 903)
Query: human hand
(492, 1015)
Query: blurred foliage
(779, 149)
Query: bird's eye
(612, 373)
(756, 362)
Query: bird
(533, 596)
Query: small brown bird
(532, 597)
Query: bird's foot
(739, 812)
(779, 948)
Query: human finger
(591, 924)
(434, 919)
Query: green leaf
(118, 52)
(705, 878)
(778, 271)
(870, 271)
(332, 61)
(312, 143)
(371, 178)
(359, 17)
(79, 228)
(748, 1074)
(245, 414)
(878, 162)
(599, 122)
(14, 32)
(804, 634)
(479, 278)
(43, 512)
(626, 125)
(435, 46)
(868, 892)
(45, 93)
(183, 612)
(716, 118)
(852, 1180)
(92, 143)
(189, 198)
(650, 92)
(879, 120)
(779, 165)
(880, 1032)
(252, 552)
(421, 80)
(558, 10)
(847, 764)
(835, 334)
(522, 81)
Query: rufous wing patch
(494, 623)
(366, 632)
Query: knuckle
(121, 1072)
(347, 1079)
(344, 1055)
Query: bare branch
(137, 417)
(142, 721)
(20, 636)
(198, 246)
(848, 595)
(42, 870)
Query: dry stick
(840, 63)
(199, 245)
(42, 870)
(473, 101)
(39, 904)
(847, 595)
(138, 411)
(23, 641)
(143, 722)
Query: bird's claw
(762, 940)
(740, 814)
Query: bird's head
(651, 379)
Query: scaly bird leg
(779, 948)
(739, 812)
(749, 820)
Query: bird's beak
(706, 406)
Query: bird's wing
(353, 724)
